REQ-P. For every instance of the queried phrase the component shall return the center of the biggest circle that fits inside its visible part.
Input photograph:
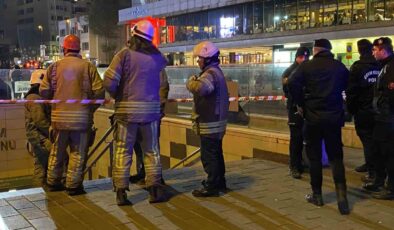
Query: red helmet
(72, 42)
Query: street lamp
(42, 46)
(40, 28)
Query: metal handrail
(88, 168)
(186, 158)
(106, 134)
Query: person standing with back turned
(70, 78)
(317, 87)
(133, 80)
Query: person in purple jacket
(133, 80)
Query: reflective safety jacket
(211, 102)
(72, 78)
(37, 120)
(133, 80)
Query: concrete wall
(15, 161)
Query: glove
(300, 111)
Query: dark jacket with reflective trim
(133, 80)
(211, 102)
(37, 121)
(384, 92)
(317, 85)
(362, 78)
(72, 78)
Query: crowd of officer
(316, 113)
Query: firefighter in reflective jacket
(70, 78)
(133, 80)
(37, 122)
(211, 104)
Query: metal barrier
(109, 146)
(186, 158)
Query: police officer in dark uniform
(383, 133)
(295, 121)
(359, 95)
(316, 87)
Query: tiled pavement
(262, 196)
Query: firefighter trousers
(78, 143)
(125, 136)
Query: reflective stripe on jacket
(133, 80)
(211, 102)
(72, 78)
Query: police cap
(302, 51)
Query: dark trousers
(364, 125)
(139, 155)
(331, 134)
(213, 162)
(296, 124)
(384, 149)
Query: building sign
(133, 13)
(22, 86)
(5, 143)
(349, 50)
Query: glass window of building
(330, 14)
(389, 10)
(214, 22)
(248, 19)
(258, 9)
(345, 11)
(359, 11)
(269, 16)
(238, 19)
(303, 14)
(290, 15)
(279, 15)
(376, 10)
(316, 12)
(226, 23)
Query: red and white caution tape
(106, 101)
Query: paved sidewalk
(262, 196)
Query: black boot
(121, 197)
(385, 194)
(343, 205)
(369, 177)
(375, 186)
(157, 194)
(314, 198)
(75, 191)
(361, 168)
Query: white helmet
(205, 49)
(37, 76)
(143, 29)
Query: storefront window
(359, 11)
